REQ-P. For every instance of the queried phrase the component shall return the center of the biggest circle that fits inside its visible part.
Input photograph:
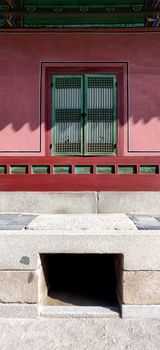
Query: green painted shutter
(67, 114)
(100, 107)
(84, 114)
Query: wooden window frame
(83, 116)
(119, 69)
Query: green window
(84, 114)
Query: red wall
(21, 55)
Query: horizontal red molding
(85, 30)
(101, 160)
(72, 182)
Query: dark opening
(80, 279)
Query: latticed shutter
(84, 114)
(100, 105)
(67, 114)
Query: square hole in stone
(81, 279)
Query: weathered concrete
(19, 286)
(49, 202)
(82, 222)
(141, 287)
(20, 250)
(129, 202)
(81, 334)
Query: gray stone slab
(49, 202)
(4, 222)
(15, 221)
(82, 222)
(6, 219)
(157, 218)
(130, 202)
(141, 311)
(140, 248)
(145, 222)
(79, 311)
(23, 219)
(11, 227)
(6, 216)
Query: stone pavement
(12, 222)
(79, 334)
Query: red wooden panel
(69, 182)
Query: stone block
(49, 202)
(141, 287)
(19, 286)
(42, 283)
(82, 222)
(19, 311)
(20, 251)
(79, 312)
(141, 251)
(129, 202)
(141, 311)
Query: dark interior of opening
(80, 279)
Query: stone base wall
(80, 202)
(23, 283)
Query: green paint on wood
(89, 19)
(105, 169)
(80, 169)
(60, 169)
(78, 13)
(126, 169)
(18, 169)
(50, 3)
(84, 114)
(2, 169)
(40, 169)
(67, 99)
(148, 169)
(101, 114)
